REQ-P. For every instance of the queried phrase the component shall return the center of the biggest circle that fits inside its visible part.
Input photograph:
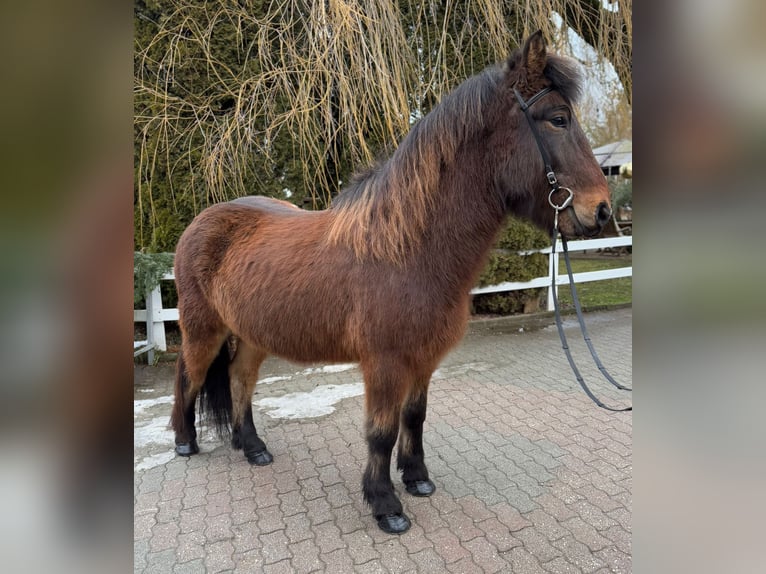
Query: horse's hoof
(420, 487)
(260, 458)
(394, 523)
(187, 448)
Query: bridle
(549, 173)
(555, 186)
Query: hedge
(507, 265)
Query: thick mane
(383, 212)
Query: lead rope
(560, 327)
(578, 311)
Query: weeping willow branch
(234, 98)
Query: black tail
(215, 395)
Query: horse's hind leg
(386, 385)
(410, 458)
(244, 375)
(202, 355)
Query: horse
(382, 276)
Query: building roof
(612, 155)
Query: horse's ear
(534, 54)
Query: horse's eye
(559, 121)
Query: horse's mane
(384, 210)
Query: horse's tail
(215, 394)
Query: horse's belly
(302, 329)
(296, 341)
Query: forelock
(565, 75)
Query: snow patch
(155, 460)
(154, 431)
(141, 405)
(329, 369)
(317, 403)
(269, 380)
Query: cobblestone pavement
(531, 476)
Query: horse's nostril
(603, 213)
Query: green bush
(506, 265)
(519, 235)
(148, 269)
(622, 192)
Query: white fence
(155, 315)
(553, 267)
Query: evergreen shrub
(506, 265)
(148, 269)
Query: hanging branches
(234, 98)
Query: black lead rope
(578, 311)
(563, 337)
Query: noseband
(554, 183)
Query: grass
(598, 293)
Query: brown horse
(381, 278)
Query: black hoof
(187, 448)
(420, 487)
(260, 458)
(394, 523)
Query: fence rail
(553, 267)
(155, 315)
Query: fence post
(553, 271)
(154, 314)
(150, 325)
(155, 327)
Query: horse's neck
(465, 221)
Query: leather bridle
(549, 173)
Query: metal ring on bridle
(567, 201)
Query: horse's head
(536, 129)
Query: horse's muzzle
(589, 225)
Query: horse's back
(266, 269)
(208, 239)
(267, 204)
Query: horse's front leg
(385, 389)
(410, 458)
(244, 375)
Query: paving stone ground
(531, 476)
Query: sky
(601, 80)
